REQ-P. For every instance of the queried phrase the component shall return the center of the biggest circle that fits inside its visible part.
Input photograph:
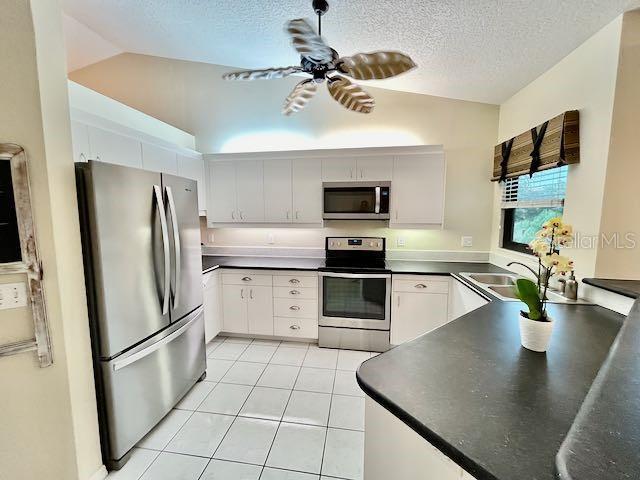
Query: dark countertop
(211, 262)
(603, 441)
(628, 288)
(495, 408)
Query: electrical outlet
(271, 239)
(13, 295)
(400, 242)
(467, 241)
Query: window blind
(544, 189)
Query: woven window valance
(553, 144)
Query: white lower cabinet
(419, 305)
(463, 299)
(270, 303)
(212, 304)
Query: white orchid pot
(535, 335)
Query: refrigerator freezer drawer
(142, 386)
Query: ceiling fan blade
(307, 42)
(299, 97)
(265, 74)
(375, 65)
(350, 95)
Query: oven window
(354, 297)
(350, 200)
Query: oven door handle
(355, 275)
(377, 209)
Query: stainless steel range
(355, 295)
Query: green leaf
(527, 292)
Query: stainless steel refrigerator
(143, 269)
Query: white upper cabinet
(221, 195)
(307, 191)
(193, 167)
(339, 169)
(417, 189)
(277, 191)
(114, 148)
(250, 191)
(158, 159)
(374, 168)
(80, 141)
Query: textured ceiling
(482, 50)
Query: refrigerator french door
(141, 246)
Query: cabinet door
(221, 199)
(307, 191)
(80, 141)
(375, 168)
(463, 300)
(234, 308)
(277, 191)
(250, 190)
(193, 168)
(260, 310)
(338, 169)
(417, 193)
(111, 147)
(212, 303)
(158, 159)
(414, 314)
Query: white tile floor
(268, 410)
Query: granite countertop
(603, 441)
(628, 288)
(498, 410)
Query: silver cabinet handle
(294, 307)
(233, 215)
(98, 158)
(294, 327)
(176, 246)
(251, 294)
(246, 279)
(361, 174)
(351, 173)
(296, 214)
(421, 285)
(294, 292)
(242, 293)
(295, 281)
(398, 301)
(241, 215)
(287, 214)
(165, 248)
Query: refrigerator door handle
(165, 248)
(145, 352)
(176, 246)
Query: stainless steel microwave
(356, 200)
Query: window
(529, 202)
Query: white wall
(584, 80)
(240, 116)
(47, 415)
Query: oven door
(355, 300)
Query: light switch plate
(400, 242)
(467, 241)
(271, 239)
(13, 295)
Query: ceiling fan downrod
(320, 7)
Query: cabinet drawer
(420, 285)
(295, 327)
(295, 292)
(301, 308)
(295, 281)
(246, 279)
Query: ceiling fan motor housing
(320, 7)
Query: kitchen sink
(493, 278)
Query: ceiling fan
(323, 63)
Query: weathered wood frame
(30, 264)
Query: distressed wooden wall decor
(557, 143)
(30, 264)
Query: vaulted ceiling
(481, 50)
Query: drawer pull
(295, 281)
(294, 327)
(246, 279)
(421, 285)
(294, 292)
(294, 307)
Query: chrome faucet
(525, 266)
(541, 277)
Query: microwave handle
(377, 210)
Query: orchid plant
(553, 236)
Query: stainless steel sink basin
(506, 292)
(493, 278)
